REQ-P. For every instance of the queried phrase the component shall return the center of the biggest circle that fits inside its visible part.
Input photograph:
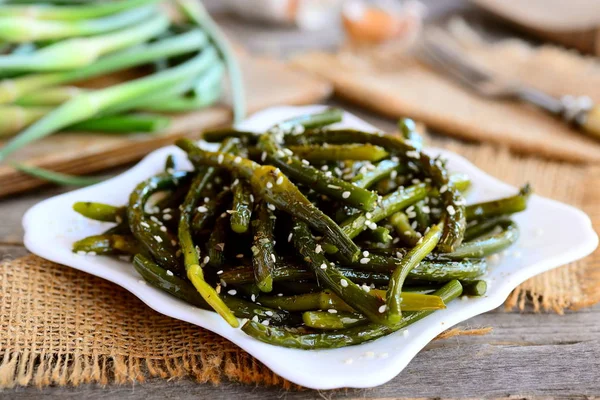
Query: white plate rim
(345, 374)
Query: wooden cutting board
(404, 86)
(268, 83)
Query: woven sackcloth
(62, 326)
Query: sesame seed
(334, 187)
(251, 198)
(346, 194)
(263, 156)
(232, 292)
(382, 309)
(279, 294)
(239, 255)
(206, 260)
(365, 260)
(255, 318)
(237, 160)
(145, 224)
(318, 249)
(265, 322)
(368, 215)
(443, 189)
(323, 266)
(269, 313)
(202, 209)
(220, 158)
(324, 168)
(344, 283)
(365, 253)
(141, 282)
(290, 237)
(413, 225)
(373, 226)
(413, 154)
(273, 257)
(219, 272)
(253, 298)
(451, 210)
(271, 207)
(365, 288)
(167, 217)
(279, 180)
(305, 162)
(269, 185)
(332, 311)
(158, 238)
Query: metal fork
(578, 111)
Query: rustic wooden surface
(527, 355)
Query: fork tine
(454, 59)
(431, 58)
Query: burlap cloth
(62, 326)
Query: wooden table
(527, 355)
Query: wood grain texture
(507, 362)
(268, 83)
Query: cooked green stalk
(487, 246)
(316, 179)
(381, 170)
(344, 337)
(264, 258)
(217, 241)
(403, 229)
(377, 271)
(191, 256)
(452, 201)
(278, 190)
(182, 289)
(475, 288)
(206, 213)
(389, 205)
(316, 153)
(184, 43)
(477, 228)
(87, 105)
(408, 130)
(377, 235)
(329, 276)
(220, 134)
(408, 263)
(170, 165)
(22, 29)
(328, 321)
(505, 206)
(100, 211)
(242, 206)
(159, 242)
(80, 52)
(107, 244)
(311, 121)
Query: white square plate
(552, 234)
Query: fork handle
(579, 111)
(590, 122)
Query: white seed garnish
(346, 194)
(344, 283)
(382, 309)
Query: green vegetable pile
(45, 47)
(318, 237)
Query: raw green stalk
(123, 124)
(22, 29)
(88, 105)
(196, 12)
(12, 89)
(80, 52)
(71, 12)
(57, 177)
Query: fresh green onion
(49, 97)
(21, 29)
(79, 52)
(57, 177)
(196, 12)
(94, 10)
(88, 105)
(14, 118)
(172, 46)
(123, 124)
